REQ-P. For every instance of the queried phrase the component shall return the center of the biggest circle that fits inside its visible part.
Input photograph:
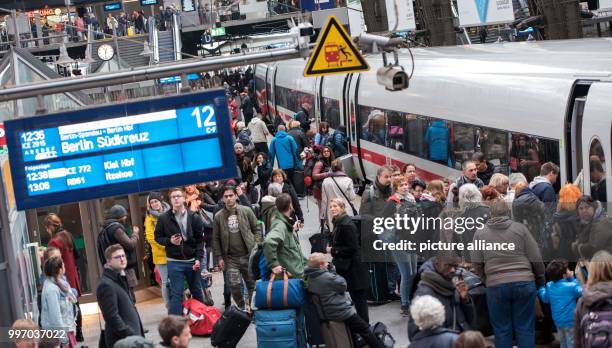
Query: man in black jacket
(116, 299)
(303, 116)
(181, 232)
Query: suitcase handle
(286, 276)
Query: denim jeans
(178, 272)
(163, 274)
(512, 310)
(407, 265)
(566, 337)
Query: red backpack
(201, 317)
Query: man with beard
(437, 281)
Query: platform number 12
(207, 113)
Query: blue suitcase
(280, 328)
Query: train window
(436, 140)
(464, 142)
(597, 165)
(373, 125)
(528, 153)
(290, 100)
(494, 144)
(330, 112)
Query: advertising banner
(484, 12)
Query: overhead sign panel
(484, 12)
(335, 52)
(114, 6)
(400, 15)
(120, 149)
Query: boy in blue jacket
(561, 292)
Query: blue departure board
(120, 148)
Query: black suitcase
(379, 289)
(298, 183)
(230, 328)
(314, 336)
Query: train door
(318, 102)
(270, 87)
(354, 128)
(596, 143)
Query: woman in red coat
(62, 239)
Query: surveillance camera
(392, 78)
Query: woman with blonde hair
(346, 252)
(598, 290)
(500, 183)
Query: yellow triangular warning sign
(335, 52)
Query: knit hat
(117, 211)
(155, 195)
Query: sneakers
(405, 311)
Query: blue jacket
(285, 148)
(437, 138)
(339, 143)
(562, 296)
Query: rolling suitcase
(377, 278)
(280, 328)
(314, 330)
(230, 328)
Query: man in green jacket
(235, 233)
(282, 246)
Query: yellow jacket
(158, 250)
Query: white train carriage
(521, 104)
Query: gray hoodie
(497, 267)
(331, 290)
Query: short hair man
(174, 332)
(116, 299)
(542, 186)
(235, 233)
(282, 246)
(114, 227)
(485, 169)
(469, 176)
(374, 198)
(181, 231)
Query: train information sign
(119, 149)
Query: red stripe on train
(381, 160)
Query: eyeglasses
(119, 257)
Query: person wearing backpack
(320, 171)
(331, 288)
(284, 149)
(338, 142)
(243, 136)
(114, 232)
(323, 136)
(594, 308)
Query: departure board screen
(120, 148)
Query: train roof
(520, 86)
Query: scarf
(435, 281)
(384, 190)
(157, 213)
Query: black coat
(288, 189)
(300, 138)
(192, 247)
(118, 306)
(345, 245)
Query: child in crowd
(470, 339)
(562, 291)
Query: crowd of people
(557, 273)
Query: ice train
(521, 104)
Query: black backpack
(104, 241)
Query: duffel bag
(280, 294)
(201, 317)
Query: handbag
(280, 294)
(355, 213)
